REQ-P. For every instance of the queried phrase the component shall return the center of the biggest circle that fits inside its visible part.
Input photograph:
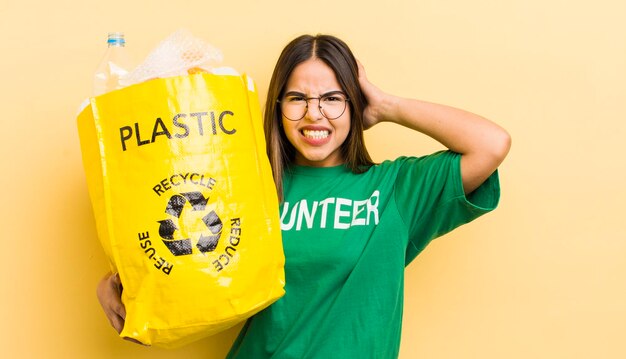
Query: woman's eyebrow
(334, 92)
(296, 93)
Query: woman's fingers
(110, 296)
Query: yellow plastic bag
(185, 204)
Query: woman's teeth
(317, 135)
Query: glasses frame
(319, 105)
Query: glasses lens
(333, 105)
(293, 107)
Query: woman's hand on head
(109, 293)
(379, 103)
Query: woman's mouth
(315, 134)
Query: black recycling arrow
(213, 222)
(175, 205)
(177, 202)
(207, 243)
(179, 247)
(197, 200)
(167, 229)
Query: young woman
(351, 226)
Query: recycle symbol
(207, 241)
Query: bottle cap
(116, 38)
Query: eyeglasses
(331, 105)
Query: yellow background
(544, 276)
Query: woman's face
(317, 140)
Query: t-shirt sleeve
(431, 200)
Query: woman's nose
(313, 109)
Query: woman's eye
(332, 99)
(295, 99)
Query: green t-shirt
(347, 238)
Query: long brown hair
(337, 55)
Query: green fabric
(347, 238)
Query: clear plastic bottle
(115, 64)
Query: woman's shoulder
(443, 155)
(401, 164)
